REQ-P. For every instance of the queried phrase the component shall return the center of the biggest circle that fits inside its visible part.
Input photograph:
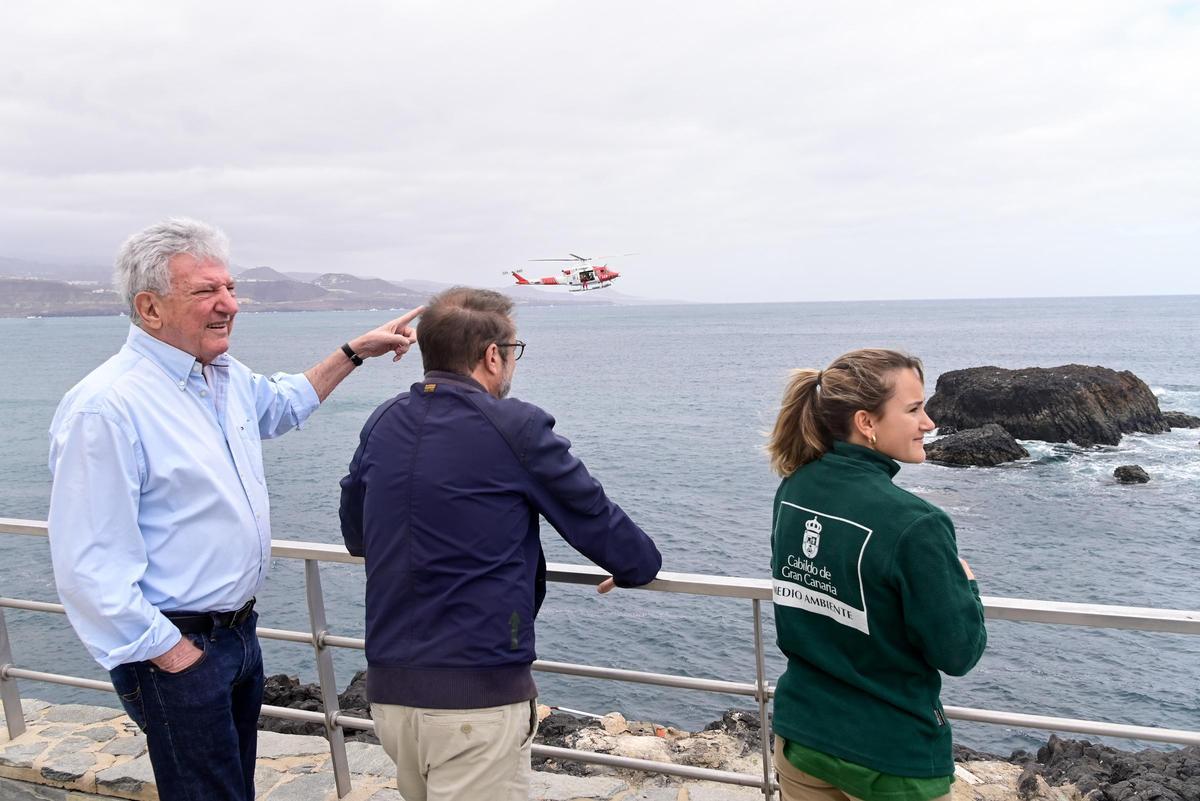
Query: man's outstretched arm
(576, 505)
(396, 336)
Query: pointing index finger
(406, 318)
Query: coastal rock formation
(1071, 403)
(1062, 770)
(284, 690)
(1181, 420)
(1131, 474)
(1106, 774)
(986, 446)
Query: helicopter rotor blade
(619, 256)
(580, 258)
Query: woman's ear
(864, 425)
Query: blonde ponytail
(797, 438)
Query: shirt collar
(866, 457)
(177, 364)
(465, 381)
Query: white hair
(143, 261)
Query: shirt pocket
(252, 448)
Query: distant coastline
(263, 289)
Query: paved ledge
(73, 752)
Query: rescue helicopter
(581, 277)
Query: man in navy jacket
(442, 500)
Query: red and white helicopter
(582, 276)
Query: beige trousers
(459, 754)
(796, 785)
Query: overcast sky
(745, 151)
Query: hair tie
(820, 375)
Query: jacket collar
(444, 377)
(866, 457)
(177, 364)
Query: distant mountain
(26, 268)
(258, 289)
(262, 274)
(35, 297)
(301, 276)
(344, 282)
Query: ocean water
(667, 406)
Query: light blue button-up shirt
(159, 501)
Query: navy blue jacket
(442, 500)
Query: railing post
(760, 665)
(9, 694)
(328, 682)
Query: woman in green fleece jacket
(871, 597)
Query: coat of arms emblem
(812, 537)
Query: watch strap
(351, 355)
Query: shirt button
(204, 393)
(466, 728)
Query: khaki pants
(459, 754)
(796, 785)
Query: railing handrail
(755, 590)
(1143, 618)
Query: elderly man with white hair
(160, 528)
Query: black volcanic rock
(743, 725)
(986, 446)
(1181, 420)
(283, 690)
(1071, 403)
(1131, 474)
(1107, 774)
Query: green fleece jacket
(870, 603)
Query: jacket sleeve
(943, 614)
(354, 489)
(575, 504)
(350, 509)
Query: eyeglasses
(519, 345)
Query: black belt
(204, 622)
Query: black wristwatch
(351, 355)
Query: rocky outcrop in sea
(1181, 420)
(986, 446)
(1071, 403)
(1131, 474)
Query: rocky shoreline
(1062, 769)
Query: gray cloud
(776, 151)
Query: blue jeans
(201, 724)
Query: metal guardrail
(755, 590)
